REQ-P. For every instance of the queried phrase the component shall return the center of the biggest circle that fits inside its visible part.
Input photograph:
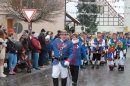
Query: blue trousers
(35, 59)
(12, 60)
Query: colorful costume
(110, 56)
(97, 49)
(121, 55)
(63, 55)
(77, 60)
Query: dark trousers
(42, 57)
(74, 73)
(96, 56)
(50, 54)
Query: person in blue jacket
(63, 55)
(77, 58)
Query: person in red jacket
(36, 49)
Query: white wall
(3, 20)
(111, 29)
(127, 16)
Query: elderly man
(63, 54)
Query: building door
(9, 23)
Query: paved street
(87, 77)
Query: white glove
(66, 63)
(47, 37)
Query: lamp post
(29, 7)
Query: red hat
(23, 50)
(10, 30)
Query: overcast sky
(70, 7)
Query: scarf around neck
(75, 41)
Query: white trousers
(58, 69)
(110, 63)
(121, 62)
(102, 59)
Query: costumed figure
(114, 40)
(63, 55)
(121, 55)
(110, 56)
(82, 40)
(76, 61)
(122, 39)
(104, 51)
(97, 45)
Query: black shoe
(122, 68)
(97, 67)
(37, 68)
(92, 67)
(64, 82)
(119, 67)
(46, 63)
(115, 65)
(74, 84)
(55, 82)
(82, 66)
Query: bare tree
(47, 10)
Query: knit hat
(26, 31)
(35, 35)
(10, 30)
(43, 30)
(33, 32)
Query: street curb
(23, 74)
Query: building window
(100, 9)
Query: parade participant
(2, 52)
(104, 51)
(97, 44)
(121, 55)
(110, 55)
(63, 54)
(76, 61)
(12, 51)
(114, 40)
(121, 38)
(82, 40)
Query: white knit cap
(35, 35)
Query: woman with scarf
(12, 51)
(77, 59)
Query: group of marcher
(28, 53)
(77, 50)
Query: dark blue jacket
(77, 55)
(68, 51)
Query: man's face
(99, 35)
(114, 36)
(63, 36)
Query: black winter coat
(41, 39)
(11, 47)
